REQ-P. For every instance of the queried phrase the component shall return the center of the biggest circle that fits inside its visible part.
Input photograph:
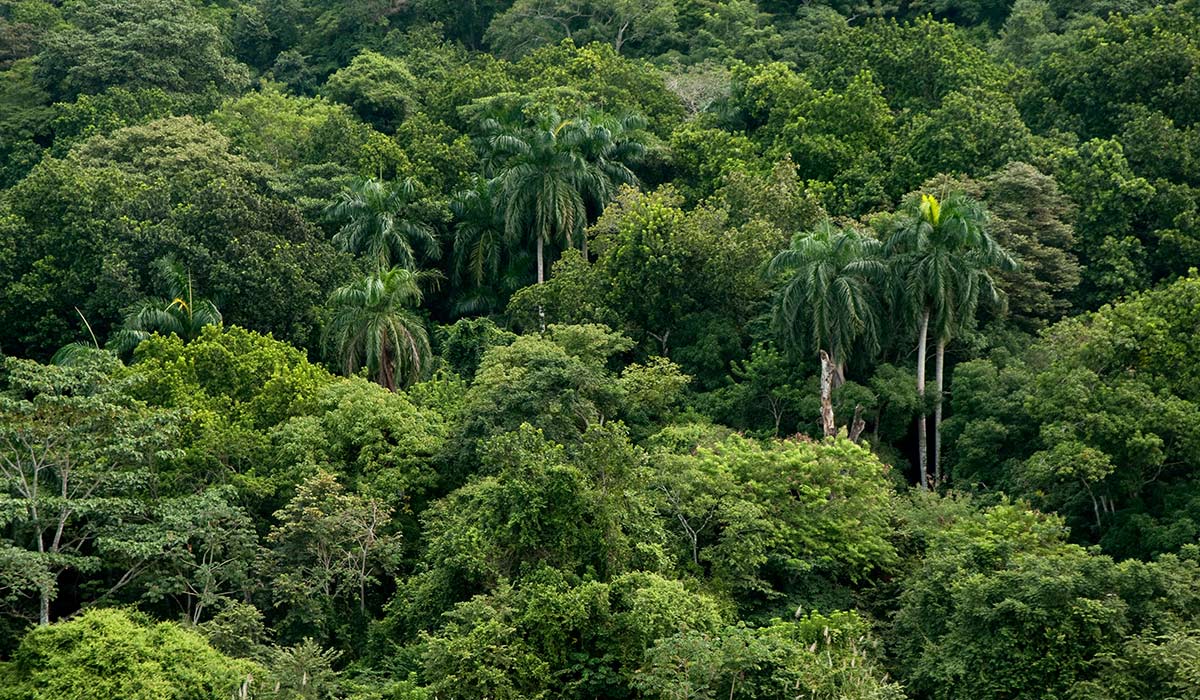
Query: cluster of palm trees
(927, 275)
(545, 177)
(373, 321)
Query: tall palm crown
(543, 182)
(377, 223)
(830, 298)
(488, 262)
(374, 325)
(179, 311)
(549, 171)
(942, 252)
(609, 147)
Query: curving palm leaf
(830, 297)
(179, 312)
(374, 325)
(376, 222)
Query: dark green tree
(373, 325)
(378, 223)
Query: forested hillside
(599, 349)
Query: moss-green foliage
(109, 653)
(1098, 421)
(550, 638)
(771, 521)
(1003, 607)
(828, 656)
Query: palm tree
(551, 171)
(179, 311)
(830, 300)
(374, 325)
(488, 263)
(376, 222)
(543, 182)
(609, 146)
(75, 353)
(941, 252)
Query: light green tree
(74, 451)
(108, 653)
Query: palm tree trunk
(922, 438)
(387, 373)
(938, 364)
(540, 263)
(541, 278)
(583, 246)
(827, 373)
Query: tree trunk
(541, 268)
(583, 246)
(43, 590)
(662, 340)
(541, 278)
(938, 365)
(620, 40)
(922, 438)
(387, 373)
(827, 374)
(839, 372)
(857, 425)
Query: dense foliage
(663, 349)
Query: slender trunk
(922, 438)
(620, 40)
(540, 264)
(938, 365)
(827, 374)
(1095, 505)
(662, 340)
(541, 278)
(44, 590)
(776, 411)
(583, 246)
(387, 373)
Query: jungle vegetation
(574, 349)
